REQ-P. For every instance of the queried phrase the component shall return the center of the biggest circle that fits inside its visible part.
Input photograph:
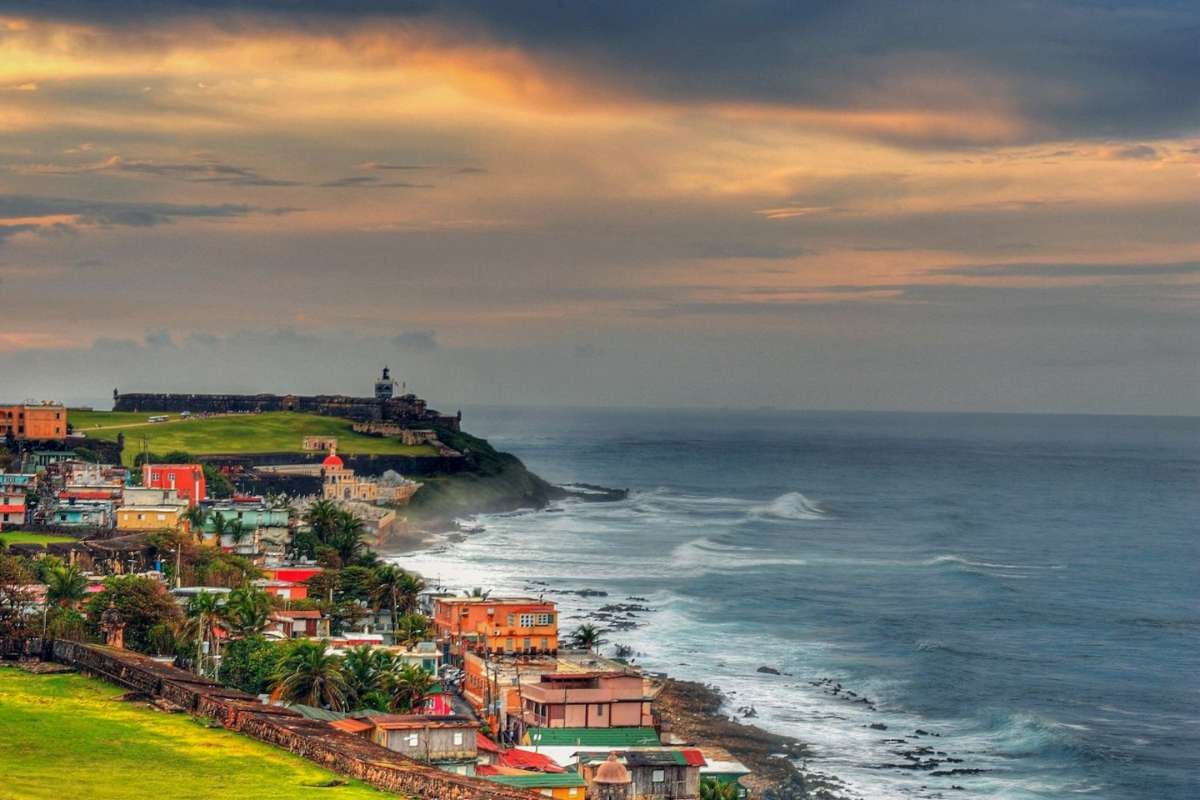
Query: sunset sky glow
(961, 206)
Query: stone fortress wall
(405, 410)
(316, 741)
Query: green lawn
(271, 432)
(25, 537)
(67, 736)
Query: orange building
(186, 479)
(43, 421)
(496, 625)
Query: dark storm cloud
(371, 182)
(207, 171)
(1134, 152)
(761, 250)
(1076, 67)
(1070, 270)
(109, 213)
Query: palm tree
(477, 592)
(204, 617)
(196, 516)
(385, 586)
(347, 537)
(714, 789)
(407, 687)
(586, 637)
(322, 517)
(401, 588)
(237, 530)
(310, 674)
(366, 669)
(220, 525)
(409, 592)
(65, 586)
(247, 611)
(410, 629)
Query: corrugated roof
(524, 759)
(595, 737)
(539, 780)
(687, 757)
(352, 725)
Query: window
(510, 620)
(545, 619)
(599, 710)
(458, 737)
(527, 620)
(658, 776)
(572, 791)
(414, 739)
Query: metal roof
(594, 737)
(539, 780)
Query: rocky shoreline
(693, 711)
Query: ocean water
(1025, 590)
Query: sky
(965, 206)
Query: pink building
(187, 479)
(588, 700)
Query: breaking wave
(792, 505)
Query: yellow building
(150, 518)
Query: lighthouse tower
(385, 387)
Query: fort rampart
(405, 411)
(336, 750)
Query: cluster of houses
(510, 705)
(514, 708)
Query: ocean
(1011, 601)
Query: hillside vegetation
(496, 482)
(269, 432)
(66, 735)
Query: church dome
(333, 460)
(611, 771)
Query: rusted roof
(392, 722)
(297, 613)
(352, 725)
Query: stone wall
(349, 755)
(406, 410)
(361, 463)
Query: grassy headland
(496, 481)
(64, 734)
(269, 432)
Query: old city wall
(406, 410)
(362, 464)
(336, 750)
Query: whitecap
(790, 506)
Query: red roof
(526, 759)
(486, 769)
(12, 509)
(85, 494)
(486, 745)
(352, 725)
(693, 757)
(307, 613)
(296, 574)
(332, 460)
